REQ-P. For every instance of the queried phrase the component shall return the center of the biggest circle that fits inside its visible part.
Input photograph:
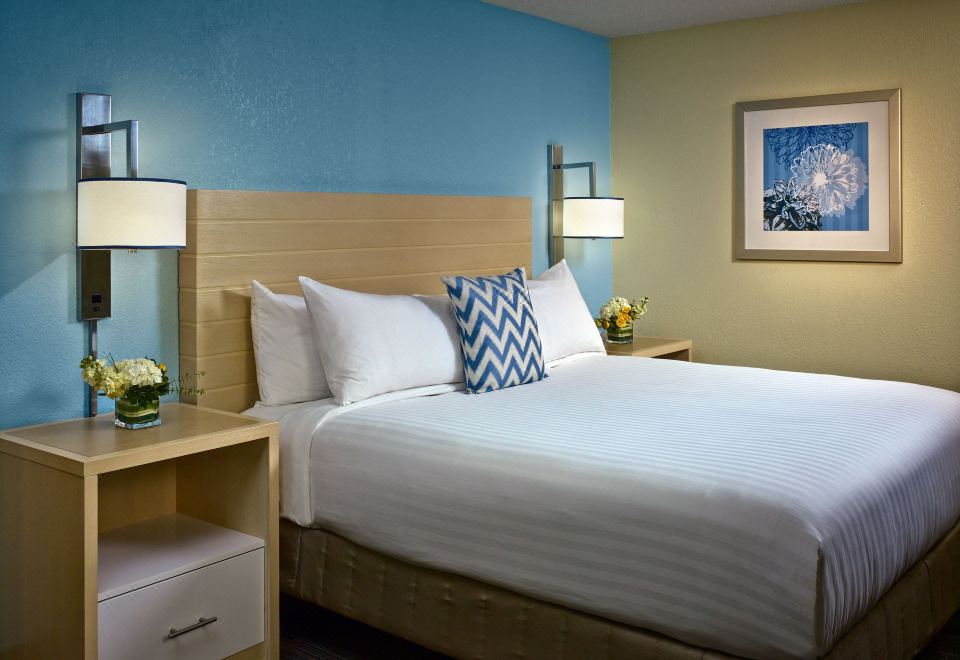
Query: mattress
(755, 512)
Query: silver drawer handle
(201, 622)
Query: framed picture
(818, 178)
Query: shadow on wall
(34, 235)
(38, 227)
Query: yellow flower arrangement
(620, 312)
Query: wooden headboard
(364, 242)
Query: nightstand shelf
(117, 530)
(144, 553)
(655, 347)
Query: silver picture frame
(746, 246)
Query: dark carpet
(312, 633)
(946, 645)
(308, 632)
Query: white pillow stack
(566, 325)
(372, 344)
(288, 363)
(353, 346)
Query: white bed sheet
(690, 499)
(299, 423)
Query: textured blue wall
(419, 96)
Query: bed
(743, 512)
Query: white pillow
(288, 364)
(371, 344)
(566, 325)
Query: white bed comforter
(712, 504)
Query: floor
(946, 645)
(308, 632)
(311, 633)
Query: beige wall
(673, 159)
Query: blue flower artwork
(815, 178)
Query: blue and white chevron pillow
(498, 331)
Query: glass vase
(130, 415)
(622, 335)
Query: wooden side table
(655, 347)
(204, 481)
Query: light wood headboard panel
(364, 242)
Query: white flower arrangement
(138, 380)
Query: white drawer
(136, 625)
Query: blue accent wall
(419, 96)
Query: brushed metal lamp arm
(132, 127)
(592, 166)
(94, 131)
(556, 167)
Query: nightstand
(655, 347)
(161, 542)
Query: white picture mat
(876, 115)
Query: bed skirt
(465, 618)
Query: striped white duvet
(712, 504)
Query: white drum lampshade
(131, 213)
(593, 217)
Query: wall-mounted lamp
(116, 213)
(578, 217)
(131, 214)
